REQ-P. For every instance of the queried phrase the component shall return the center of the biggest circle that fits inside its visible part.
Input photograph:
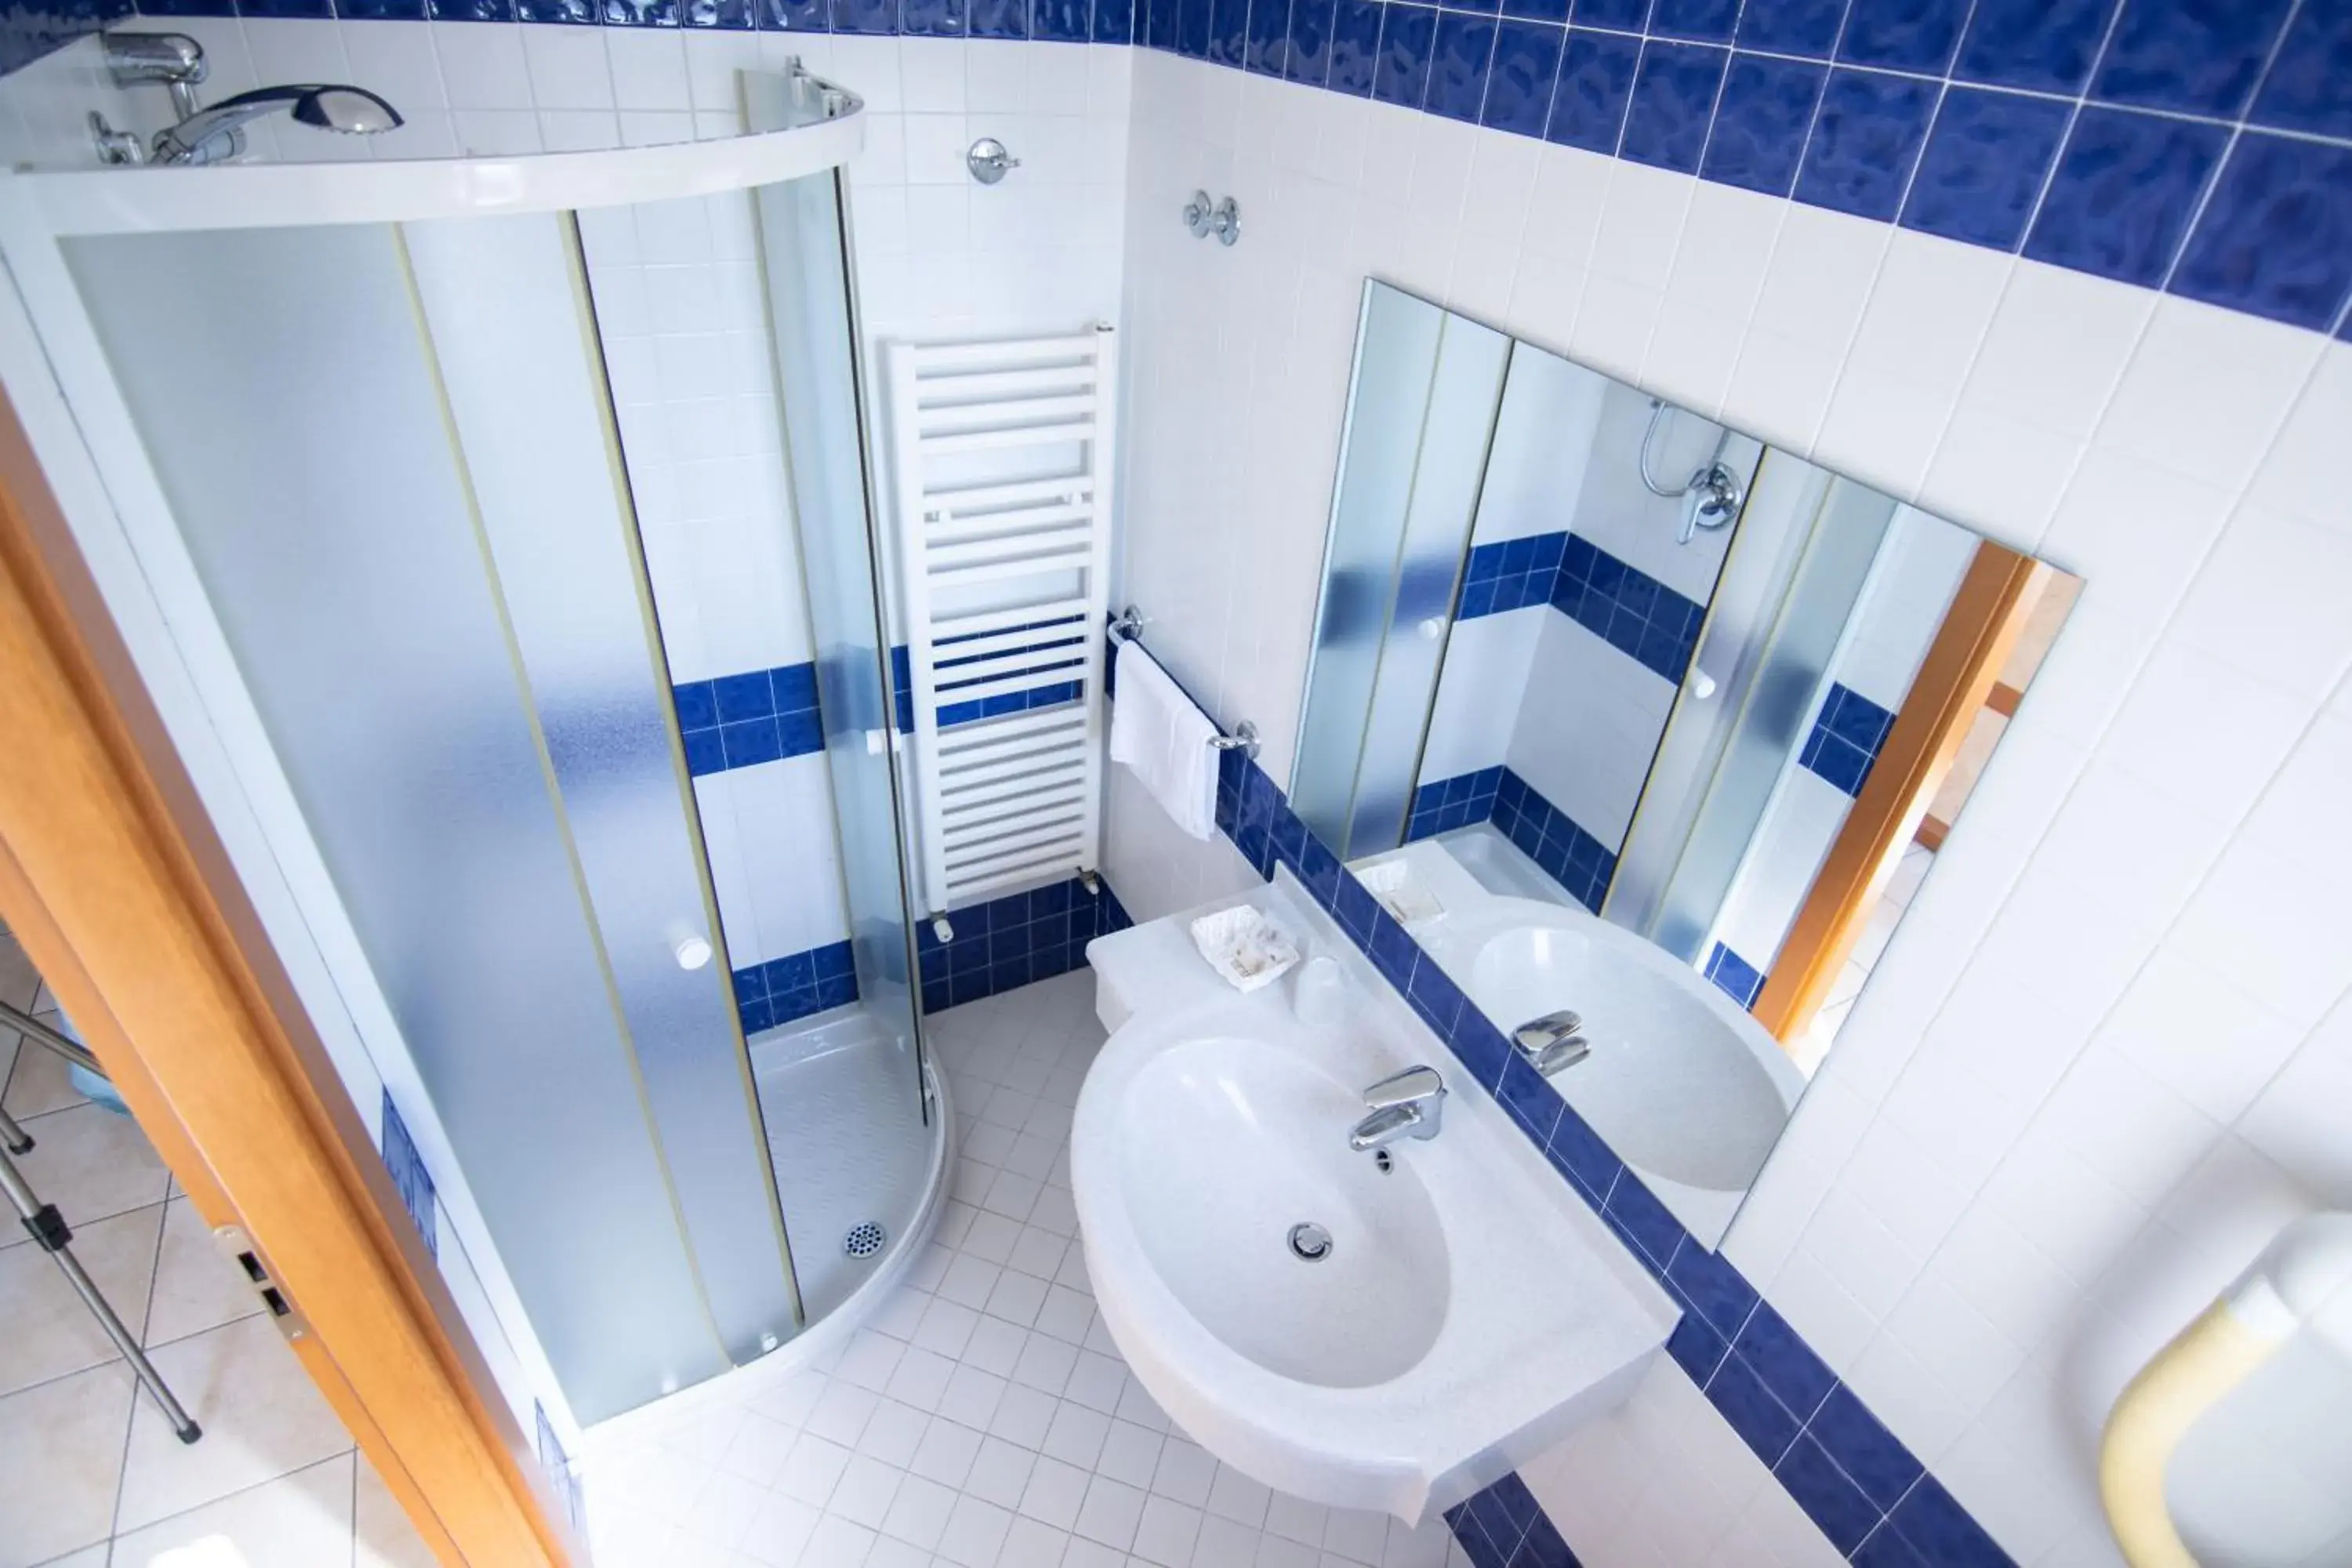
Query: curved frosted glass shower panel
(357, 429)
(341, 545)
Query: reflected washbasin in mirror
(1683, 1083)
(1233, 1145)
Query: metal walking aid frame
(47, 1227)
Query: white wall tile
(2029, 1034)
(2207, 389)
(569, 67)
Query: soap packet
(1246, 946)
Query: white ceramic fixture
(1688, 1089)
(1469, 1308)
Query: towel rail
(1002, 472)
(1127, 626)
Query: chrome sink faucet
(1405, 1105)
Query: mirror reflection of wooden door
(1996, 600)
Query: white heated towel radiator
(1002, 464)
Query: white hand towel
(1164, 739)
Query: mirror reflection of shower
(1715, 489)
(216, 134)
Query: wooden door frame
(1962, 667)
(115, 881)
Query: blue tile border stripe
(1847, 736)
(29, 31)
(741, 721)
(767, 715)
(795, 986)
(2201, 149)
(1047, 21)
(1734, 975)
(409, 1176)
(1619, 602)
(1009, 941)
(1858, 1482)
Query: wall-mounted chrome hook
(988, 161)
(1222, 218)
(1243, 740)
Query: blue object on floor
(97, 1090)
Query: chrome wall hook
(988, 161)
(1224, 218)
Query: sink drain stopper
(1309, 1242)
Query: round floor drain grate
(1309, 1242)
(863, 1240)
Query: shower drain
(864, 1239)
(1309, 1242)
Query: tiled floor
(983, 1419)
(90, 1474)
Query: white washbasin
(1685, 1084)
(1239, 1147)
(1471, 1310)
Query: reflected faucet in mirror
(1507, 735)
(1410, 1104)
(1552, 1042)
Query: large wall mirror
(1646, 731)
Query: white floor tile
(49, 1332)
(262, 1418)
(64, 1447)
(385, 1537)
(299, 1521)
(40, 1080)
(984, 1418)
(197, 1285)
(92, 1163)
(1110, 1513)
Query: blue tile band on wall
(1622, 605)
(795, 986)
(764, 715)
(1855, 1479)
(1847, 736)
(409, 1177)
(27, 32)
(553, 1460)
(2194, 146)
(2198, 147)
(1009, 941)
(738, 721)
(1734, 975)
(1505, 1527)
(1582, 864)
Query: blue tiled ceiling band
(2203, 149)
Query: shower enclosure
(363, 504)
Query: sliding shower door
(391, 459)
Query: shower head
(353, 111)
(211, 134)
